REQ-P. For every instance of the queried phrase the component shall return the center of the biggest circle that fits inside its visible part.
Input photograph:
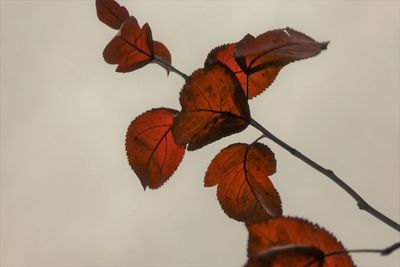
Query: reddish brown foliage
(293, 242)
(162, 53)
(131, 48)
(244, 190)
(150, 147)
(111, 13)
(260, 59)
(257, 82)
(292, 255)
(213, 106)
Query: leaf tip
(144, 184)
(324, 45)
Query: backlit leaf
(162, 53)
(213, 106)
(257, 61)
(244, 190)
(151, 149)
(257, 82)
(293, 242)
(288, 255)
(111, 13)
(275, 48)
(131, 48)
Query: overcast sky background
(68, 195)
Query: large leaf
(151, 149)
(213, 106)
(257, 61)
(293, 242)
(244, 190)
(111, 13)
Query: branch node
(293, 151)
(362, 206)
(390, 249)
(330, 172)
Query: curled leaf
(150, 147)
(111, 13)
(293, 242)
(244, 190)
(213, 106)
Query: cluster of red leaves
(214, 103)
(133, 47)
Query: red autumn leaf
(293, 242)
(275, 48)
(162, 53)
(111, 13)
(257, 82)
(304, 256)
(131, 48)
(150, 147)
(244, 190)
(213, 106)
(260, 59)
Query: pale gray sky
(68, 195)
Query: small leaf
(162, 53)
(244, 190)
(111, 13)
(150, 147)
(213, 106)
(257, 61)
(131, 48)
(293, 242)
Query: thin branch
(361, 203)
(170, 67)
(258, 139)
(383, 252)
(160, 60)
